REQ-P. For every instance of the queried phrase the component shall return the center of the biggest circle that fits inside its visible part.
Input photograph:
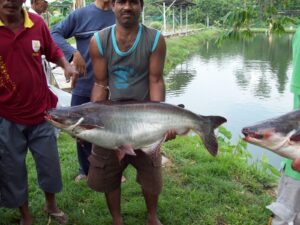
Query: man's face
(127, 12)
(41, 6)
(10, 7)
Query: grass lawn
(198, 189)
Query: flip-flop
(123, 179)
(60, 217)
(80, 177)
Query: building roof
(177, 3)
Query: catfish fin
(216, 121)
(122, 150)
(127, 149)
(208, 136)
(211, 143)
(154, 148)
(120, 154)
(296, 136)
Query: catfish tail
(208, 135)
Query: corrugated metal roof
(177, 3)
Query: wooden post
(181, 17)
(165, 22)
(143, 15)
(173, 20)
(186, 20)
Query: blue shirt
(82, 24)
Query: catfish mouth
(250, 134)
(55, 121)
(52, 118)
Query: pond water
(244, 81)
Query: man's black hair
(141, 1)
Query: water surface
(244, 81)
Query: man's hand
(71, 73)
(170, 135)
(296, 164)
(79, 63)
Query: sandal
(123, 179)
(80, 177)
(60, 217)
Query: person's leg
(13, 172)
(105, 176)
(42, 144)
(151, 204)
(26, 218)
(51, 205)
(149, 176)
(113, 200)
(83, 148)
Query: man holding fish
(282, 135)
(119, 54)
(286, 209)
(128, 61)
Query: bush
(55, 19)
(156, 25)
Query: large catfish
(125, 126)
(280, 134)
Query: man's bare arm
(100, 90)
(156, 68)
(69, 71)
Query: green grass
(198, 189)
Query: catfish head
(280, 135)
(64, 118)
(72, 119)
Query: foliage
(277, 24)
(213, 11)
(55, 19)
(240, 151)
(59, 10)
(156, 25)
(238, 23)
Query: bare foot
(26, 221)
(117, 221)
(153, 221)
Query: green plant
(239, 150)
(156, 25)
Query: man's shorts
(106, 171)
(15, 139)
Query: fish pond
(246, 81)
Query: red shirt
(24, 93)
